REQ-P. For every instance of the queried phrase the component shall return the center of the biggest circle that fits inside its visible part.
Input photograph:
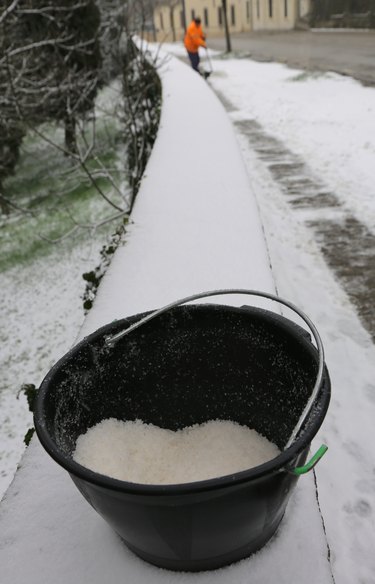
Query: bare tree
(49, 70)
(112, 24)
(55, 75)
(50, 61)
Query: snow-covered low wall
(195, 227)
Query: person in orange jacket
(194, 38)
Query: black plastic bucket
(189, 365)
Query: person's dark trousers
(194, 60)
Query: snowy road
(321, 165)
(350, 52)
(308, 141)
(347, 244)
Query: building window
(258, 10)
(220, 16)
(270, 8)
(248, 11)
(233, 15)
(286, 8)
(161, 22)
(192, 14)
(205, 17)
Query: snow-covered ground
(329, 123)
(40, 314)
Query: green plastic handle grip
(300, 470)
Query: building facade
(242, 16)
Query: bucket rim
(275, 465)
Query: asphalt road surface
(347, 52)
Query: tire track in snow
(347, 245)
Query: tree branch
(16, 207)
(8, 10)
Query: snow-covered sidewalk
(195, 227)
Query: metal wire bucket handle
(111, 340)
